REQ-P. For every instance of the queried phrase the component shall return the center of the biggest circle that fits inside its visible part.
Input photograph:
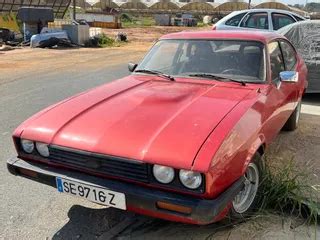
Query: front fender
(257, 144)
(232, 145)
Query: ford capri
(182, 138)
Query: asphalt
(29, 210)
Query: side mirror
(132, 66)
(289, 76)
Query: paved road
(29, 210)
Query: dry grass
(285, 190)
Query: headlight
(163, 174)
(27, 145)
(42, 149)
(190, 179)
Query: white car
(260, 19)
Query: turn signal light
(174, 207)
(28, 173)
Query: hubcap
(246, 196)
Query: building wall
(91, 17)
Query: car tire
(293, 121)
(247, 202)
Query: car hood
(152, 120)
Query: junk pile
(8, 37)
(305, 36)
(36, 32)
(50, 38)
(35, 28)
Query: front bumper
(139, 199)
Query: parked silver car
(259, 19)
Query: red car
(181, 138)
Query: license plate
(92, 193)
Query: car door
(280, 20)
(256, 21)
(281, 97)
(292, 63)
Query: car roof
(259, 36)
(265, 10)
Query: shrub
(125, 17)
(101, 40)
(105, 41)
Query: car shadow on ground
(110, 223)
(312, 99)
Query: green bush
(105, 41)
(125, 17)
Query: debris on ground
(4, 48)
(12, 43)
(6, 35)
(121, 37)
(49, 38)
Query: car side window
(276, 60)
(256, 20)
(289, 55)
(234, 21)
(280, 20)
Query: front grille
(98, 163)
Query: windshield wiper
(209, 75)
(154, 72)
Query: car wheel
(248, 200)
(293, 121)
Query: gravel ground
(33, 79)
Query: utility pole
(249, 5)
(74, 10)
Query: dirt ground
(149, 34)
(302, 145)
(23, 60)
(18, 62)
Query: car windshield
(239, 60)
